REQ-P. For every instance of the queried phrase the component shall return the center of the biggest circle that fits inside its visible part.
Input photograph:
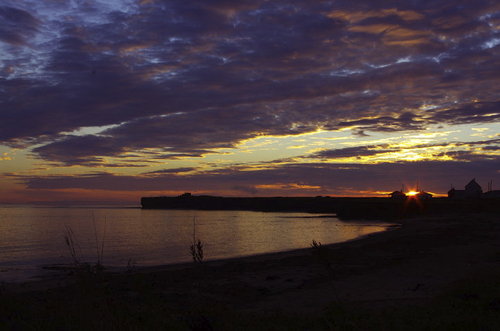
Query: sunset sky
(111, 100)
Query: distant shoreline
(343, 207)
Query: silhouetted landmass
(345, 208)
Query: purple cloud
(16, 25)
(328, 178)
(189, 77)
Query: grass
(321, 253)
(196, 248)
(74, 248)
(99, 244)
(71, 244)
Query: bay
(33, 237)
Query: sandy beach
(410, 265)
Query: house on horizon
(472, 191)
(491, 193)
(398, 195)
(422, 195)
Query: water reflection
(33, 236)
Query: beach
(414, 267)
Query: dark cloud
(170, 171)
(467, 156)
(352, 151)
(404, 121)
(487, 143)
(433, 176)
(469, 113)
(369, 150)
(179, 135)
(187, 77)
(16, 25)
(77, 150)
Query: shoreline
(64, 272)
(411, 265)
(56, 268)
(343, 207)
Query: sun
(412, 193)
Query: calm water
(31, 237)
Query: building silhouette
(422, 195)
(472, 191)
(399, 195)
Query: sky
(112, 100)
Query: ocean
(33, 238)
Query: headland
(343, 207)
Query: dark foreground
(440, 273)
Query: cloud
(470, 153)
(352, 151)
(16, 25)
(78, 150)
(170, 171)
(334, 179)
(469, 113)
(190, 77)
